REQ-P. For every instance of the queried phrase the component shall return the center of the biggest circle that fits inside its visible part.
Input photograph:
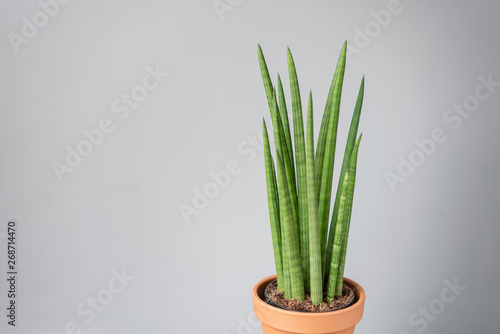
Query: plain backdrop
(118, 210)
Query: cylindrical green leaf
(281, 148)
(316, 275)
(291, 250)
(273, 203)
(337, 243)
(347, 223)
(285, 122)
(351, 139)
(325, 192)
(320, 149)
(300, 160)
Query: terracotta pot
(278, 321)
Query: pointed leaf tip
(344, 47)
(260, 53)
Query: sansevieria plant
(310, 244)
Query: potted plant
(309, 293)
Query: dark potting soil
(306, 305)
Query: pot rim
(359, 294)
(273, 303)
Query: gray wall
(425, 213)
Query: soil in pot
(277, 298)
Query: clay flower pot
(278, 321)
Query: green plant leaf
(347, 223)
(299, 188)
(281, 148)
(337, 243)
(300, 160)
(351, 139)
(285, 122)
(320, 149)
(316, 275)
(325, 191)
(279, 135)
(273, 203)
(268, 85)
(291, 250)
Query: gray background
(119, 209)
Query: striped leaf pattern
(342, 228)
(350, 197)
(279, 132)
(351, 139)
(285, 122)
(291, 251)
(320, 150)
(316, 276)
(299, 187)
(273, 203)
(337, 242)
(300, 155)
(325, 192)
(282, 149)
